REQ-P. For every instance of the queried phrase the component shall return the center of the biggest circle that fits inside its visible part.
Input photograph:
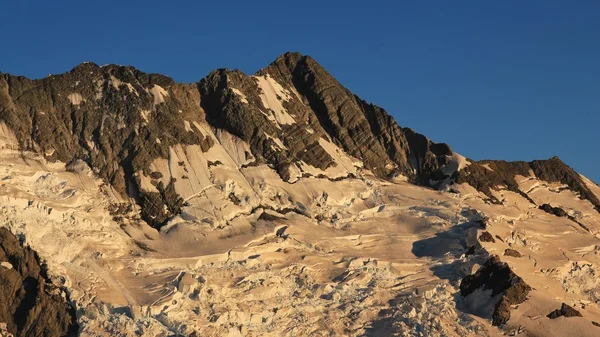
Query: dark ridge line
(550, 170)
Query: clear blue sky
(514, 80)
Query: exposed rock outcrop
(512, 252)
(486, 237)
(566, 311)
(115, 118)
(553, 210)
(31, 304)
(363, 130)
(487, 175)
(497, 276)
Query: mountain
(276, 204)
(119, 120)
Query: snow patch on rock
(272, 96)
(76, 98)
(240, 94)
(159, 94)
(116, 83)
(8, 140)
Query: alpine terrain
(276, 204)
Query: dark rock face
(512, 252)
(158, 208)
(363, 130)
(565, 310)
(110, 117)
(31, 304)
(559, 212)
(484, 222)
(553, 210)
(118, 120)
(486, 237)
(503, 173)
(497, 276)
(470, 251)
(320, 103)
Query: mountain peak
(291, 61)
(289, 58)
(85, 65)
(179, 200)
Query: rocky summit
(274, 204)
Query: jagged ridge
(118, 120)
(487, 175)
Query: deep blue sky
(514, 80)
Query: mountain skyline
(304, 168)
(500, 77)
(133, 204)
(258, 71)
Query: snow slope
(252, 255)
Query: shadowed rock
(497, 276)
(30, 304)
(565, 310)
(553, 210)
(317, 102)
(110, 117)
(486, 237)
(512, 252)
